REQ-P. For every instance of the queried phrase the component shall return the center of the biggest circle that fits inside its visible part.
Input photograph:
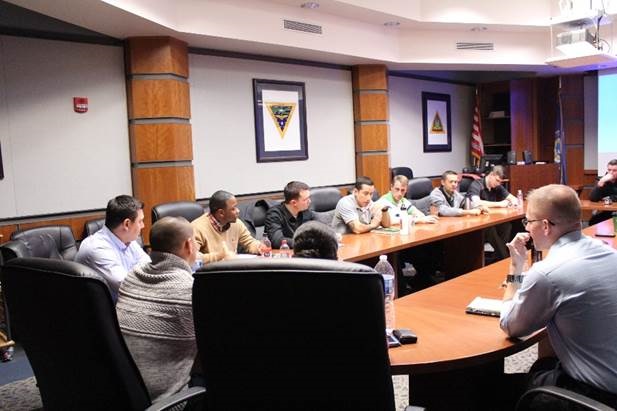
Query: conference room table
(588, 205)
(458, 356)
(461, 237)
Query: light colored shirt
(348, 210)
(573, 293)
(110, 257)
(395, 207)
(448, 207)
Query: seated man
(489, 192)
(218, 233)
(282, 220)
(155, 309)
(356, 212)
(315, 240)
(572, 292)
(395, 199)
(605, 187)
(113, 250)
(447, 199)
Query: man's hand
(429, 219)
(518, 252)
(376, 219)
(504, 203)
(606, 178)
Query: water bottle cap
(383, 257)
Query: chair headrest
(56, 267)
(324, 198)
(187, 209)
(93, 226)
(419, 188)
(49, 242)
(284, 264)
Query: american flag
(477, 146)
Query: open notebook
(484, 306)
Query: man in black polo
(488, 192)
(283, 220)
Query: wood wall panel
(574, 131)
(76, 223)
(371, 107)
(575, 166)
(532, 176)
(375, 166)
(548, 105)
(157, 55)
(371, 137)
(6, 231)
(370, 77)
(158, 98)
(522, 116)
(155, 185)
(161, 142)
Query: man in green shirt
(395, 199)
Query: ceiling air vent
(474, 46)
(299, 26)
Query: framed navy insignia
(280, 120)
(436, 124)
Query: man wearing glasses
(572, 292)
(488, 192)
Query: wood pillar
(372, 128)
(159, 122)
(573, 140)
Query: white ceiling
(352, 30)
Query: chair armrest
(177, 398)
(525, 401)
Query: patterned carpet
(23, 395)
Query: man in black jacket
(606, 187)
(284, 219)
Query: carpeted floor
(23, 395)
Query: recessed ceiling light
(310, 5)
(479, 28)
(392, 23)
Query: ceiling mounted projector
(578, 47)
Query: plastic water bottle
(404, 221)
(519, 199)
(285, 252)
(266, 247)
(384, 268)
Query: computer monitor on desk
(489, 160)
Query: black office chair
(62, 314)
(92, 226)
(55, 242)
(404, 171)
(253, 215)
(323, 203)
(419, 192)
(297, 334)
(555, 398)
(187, 209)
(465, 181)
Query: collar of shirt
(217, 226)
(114, 239)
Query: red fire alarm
(80, 104)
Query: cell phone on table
(392, 341)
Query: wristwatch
(514, 278)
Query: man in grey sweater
(155, 309)
(449, 201)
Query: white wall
(224, 130)
(55, 159)
(406, 138)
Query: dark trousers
(497, 237)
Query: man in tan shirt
(219, 232)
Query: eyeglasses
(526, 221)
